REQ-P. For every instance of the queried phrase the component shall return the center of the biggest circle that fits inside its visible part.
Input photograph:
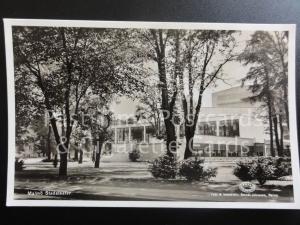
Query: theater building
(231, 128)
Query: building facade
(231, 128)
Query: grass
(128, 181)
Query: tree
(267, 53)
(276, 45)
(203, 57)
(261, 90)
(27, 108)
(149, 108)
(97, 120)
(63, 63)
(157, 44)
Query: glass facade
(218, 150)
(234, 150)
(136, 134)
(202, 149)
(208, 128)
(223, 128)
(229, 128)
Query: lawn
(132, 181)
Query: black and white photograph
(151, 114)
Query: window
(218, 150)
(122, 135)
(234, 151)
(201, 149)
(229, 128)
(208, 128)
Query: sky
(233, 73)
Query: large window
(208, 128)
(201, 149)
(234, 151)
(229, 128)
(218, 150)
(122, 135)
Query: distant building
(235, 97)
(231, 128)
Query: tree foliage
(62, 64)
(267, 79)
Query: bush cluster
(262, 169)
(19, 165)
(192, 169)
(283, 167)
(167, 167)
(164, 167)
(134, 155)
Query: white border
(10, 201)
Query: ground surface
(132, 181)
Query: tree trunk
(94, 154)
(55, 161)
(189, 146)
(76, 152)
(166, 105)
(281, 135)
(286, 107)
(270, 112)
(171, 138)
(63, 164)
(271, 130)
(49, 143)
(98, 154)
(80, 156)
(189, 137)
(285, 89)
(158, 124)
(63, 154)
(275, 125)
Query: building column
(209, 150)
(217, 128)
(197, 130)
(129, 134)
(115, 135)
(265, 150)
(227, 148)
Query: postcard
(151, 114)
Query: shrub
(262, 169)
(19, 165)
(242, 170)
(192, 169)
(164, 167)
(283, 167)
(134, 155)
